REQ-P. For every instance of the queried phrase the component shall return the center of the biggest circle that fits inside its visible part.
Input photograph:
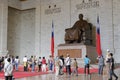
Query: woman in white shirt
(8, 70)
(25, 63)
(16, 63)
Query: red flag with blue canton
(52, 40)
(98, 43)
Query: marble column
(37, 29)
(3, 26)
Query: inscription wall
(74, 53)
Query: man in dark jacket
(112, 68)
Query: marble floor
(52, 76)
(66, 77)
(61, 77)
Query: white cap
(108, 50)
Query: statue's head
(80, 16)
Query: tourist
(60, 66)
(62, 58)
(57, 66)
(17, 61)
(13, 60)
(39, 64)
(63, 62)
(33, 63)
(100, 64)
(25, 63)
(68, 64)
(8, 70)
(107, 56)
(1, 63)
(87, 64)
(112, 67)
(43, 64)
(50, 63)
(5, 60)
(107, 62)
(75, 67)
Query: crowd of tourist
(59, 65)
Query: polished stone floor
(62, 77)
(52, 76)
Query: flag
(98, 43)
(52, 40)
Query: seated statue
(79, 32)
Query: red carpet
(22, 74)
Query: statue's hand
(68, 29)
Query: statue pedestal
(78, 51)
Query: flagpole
(113, 30)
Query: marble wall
(15, 4)
(63, 13)
(59, 13)
(14, 31)
(116, 28)
(21, 32)
(107, 10)
(3, 26)
(28, 4)
(68, 14)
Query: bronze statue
(80, 31)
